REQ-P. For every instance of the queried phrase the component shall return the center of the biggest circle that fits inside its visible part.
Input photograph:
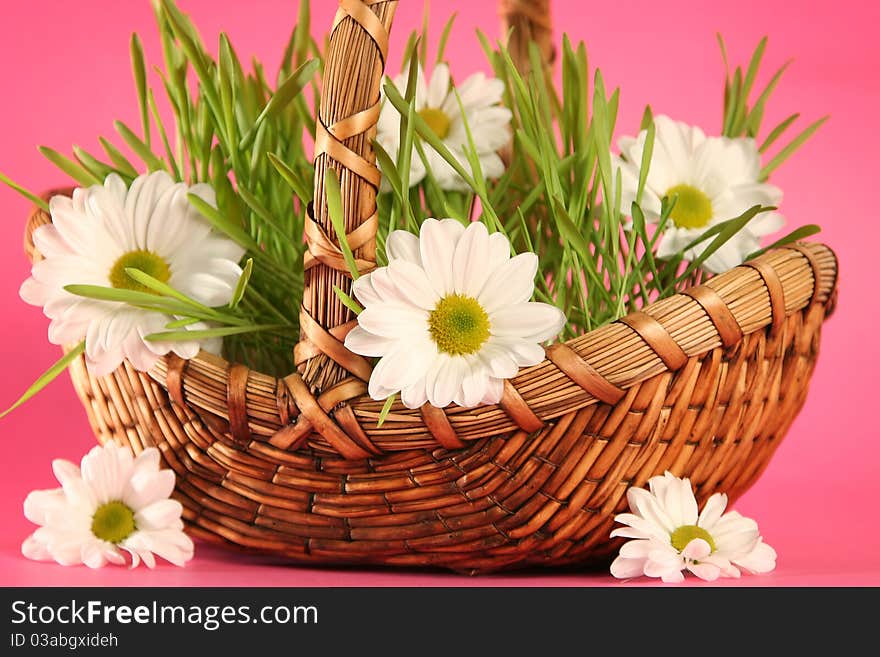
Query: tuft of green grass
(248, 138)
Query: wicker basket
(704, 384)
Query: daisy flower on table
(101, 231)
(112, 505)
(670, 536)
(450, 316)
(713, 178)
(435, 101)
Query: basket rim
(663, 337)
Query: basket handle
(354, 64)
(353, 68)
(523, 21)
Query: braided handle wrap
(354, 64)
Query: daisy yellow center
(459, 326)
(686, 533)
(113, 522)
(437, 120)
(693, 209)
(147, 261)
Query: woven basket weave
(704, 384)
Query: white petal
(643, 527)
(414, 395)
(523, 352)
(499, 250)
(102, 363)
(438, 88)
(474, 385)
(107, 471)
(444, 379)
(492, 164)
(497, 361)
(393, 321)
(649, 507)
(731, 254)
(142, 198)
(40, 504)
(162, 514)
(761, 559)
(79, 494)
(696, 549)
(704, 570)
(171, 544)
(510, 284)
(712, 511)
(494, 391)
(403, 365)
(207, 288)
(35, 549)
(75, 227)
(437, 243)
(403, 245)
(765, 224)
(49, 242)
(145, 488)
(470, 262)
(638, 549)
(673, 241)
(141, 355)
(363, 342)
(93, 555)
(624, 568)
(727, 569)
(413, 284)
(735, 535)
(666, 564)
(364, 291)
(680, 503)
(532, 321)
(65, 471)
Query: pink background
(66, 76)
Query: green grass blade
(386, 409)
(337, 218)
(792, 146)
(222, 224)
(73, 169)
(347, 301)
(30, 196)
(287, 92)
(242, 284)
(776, 133)
(138, 147)
(205, 334)
(797, 234)
(139, 70)
(48, 376)
(119, 160)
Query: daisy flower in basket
(709, 179)
(117, 237)
(450, 316)
(449, 112)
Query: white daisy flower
(450, 316)
(102, 230)
(436, 103)
(714, 178)
(671, 537)
(111, 505)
